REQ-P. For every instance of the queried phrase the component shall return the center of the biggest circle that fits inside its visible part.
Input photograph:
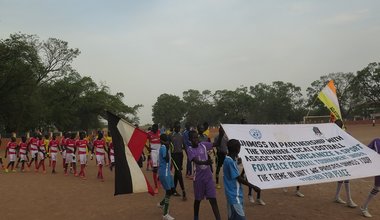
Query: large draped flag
(329, 98)
(128, 142)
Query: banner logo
(256, 134)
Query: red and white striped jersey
(99, 147)
(33, 144)
(41, 145)
(11, 146)
(53, 145)
(23, 147)
(82, 146)
(70, 146)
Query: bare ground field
(55, 196)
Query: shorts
(23, 157)
(154, 156)
(34, 153)
(166, 182)
(204, 189)
(41, 155)
(83, 158)
(100, 159)
(69, 158)
(53, 156)
(12, 157)
(235, 212)
(64, 154)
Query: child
(53, 149)
(99, 147)
(11, 152)
(33, 149)
(41, 154)
(350, 202)
(63, 148)
(232, 182)
(165, 176)
(70, 154)
(374, 145)
(82, 145)
(22, 152)
(204, 185)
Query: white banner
(277, 156)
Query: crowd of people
(165, 154)
(73, 147)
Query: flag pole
(312, 106)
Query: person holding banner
(350, 202)
(232, 182)
(374, 145)
(256, 189)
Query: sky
(144, 48)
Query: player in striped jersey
(154, 147)
(63, 148)
(23, 149)
(10, 151)
(70, 154)
(41, 154)
(33, 149)
(82, 145)
(53, 148)
(99, 148)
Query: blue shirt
(163, 166)
(232, 188)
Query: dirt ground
(55, 196)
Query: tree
(277, 103)
(199, 108)
(366, 85)
(56, 57)
(40, 90)
(232, 106)
(19, 64)
(77, 102)
(168, 109)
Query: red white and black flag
(128, 142)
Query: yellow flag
(329, 98)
